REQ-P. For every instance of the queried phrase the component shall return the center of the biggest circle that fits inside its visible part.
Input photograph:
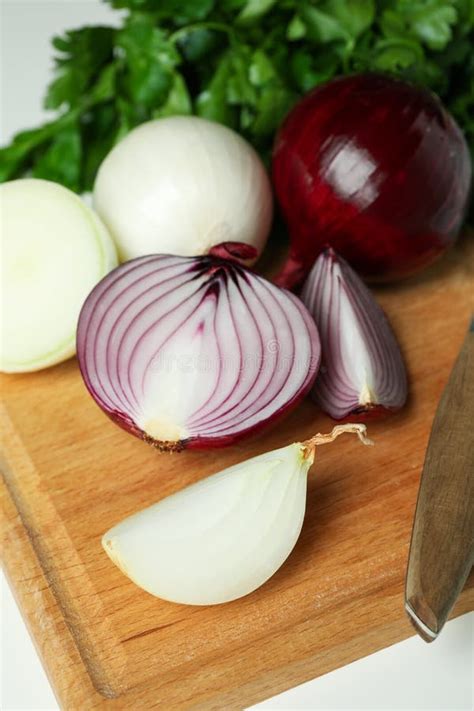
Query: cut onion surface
(194, 351)
(54, 249)
(362, 370)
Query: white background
(408, 676)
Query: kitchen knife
(442, 544)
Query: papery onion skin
(362, 374)
(181, 185)
(375, 168)
(194, 351)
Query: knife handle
(442, 545)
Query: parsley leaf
(82, 53)
(180, 11)
(61, 162)
(148, 61)
(428, 21)
(240, 62)
(212, 102)
(253, 10)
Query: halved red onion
(194, 351)
(362, 369)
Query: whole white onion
(182, 185)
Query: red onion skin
(375, 168)
(368, 414)
(237, 252)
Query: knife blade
(442, 544)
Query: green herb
(241, 62)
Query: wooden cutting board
(70, 474)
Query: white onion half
(223, 537)
(54, 249)
(182, 185)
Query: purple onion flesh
(362, 370)
(194, 351)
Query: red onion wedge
(194, 351)
(362, 370)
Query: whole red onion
(375, 168)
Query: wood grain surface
(70, 474)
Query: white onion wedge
(54, 249)
(223, 537)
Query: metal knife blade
(442, 544)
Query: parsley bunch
(241, 62)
